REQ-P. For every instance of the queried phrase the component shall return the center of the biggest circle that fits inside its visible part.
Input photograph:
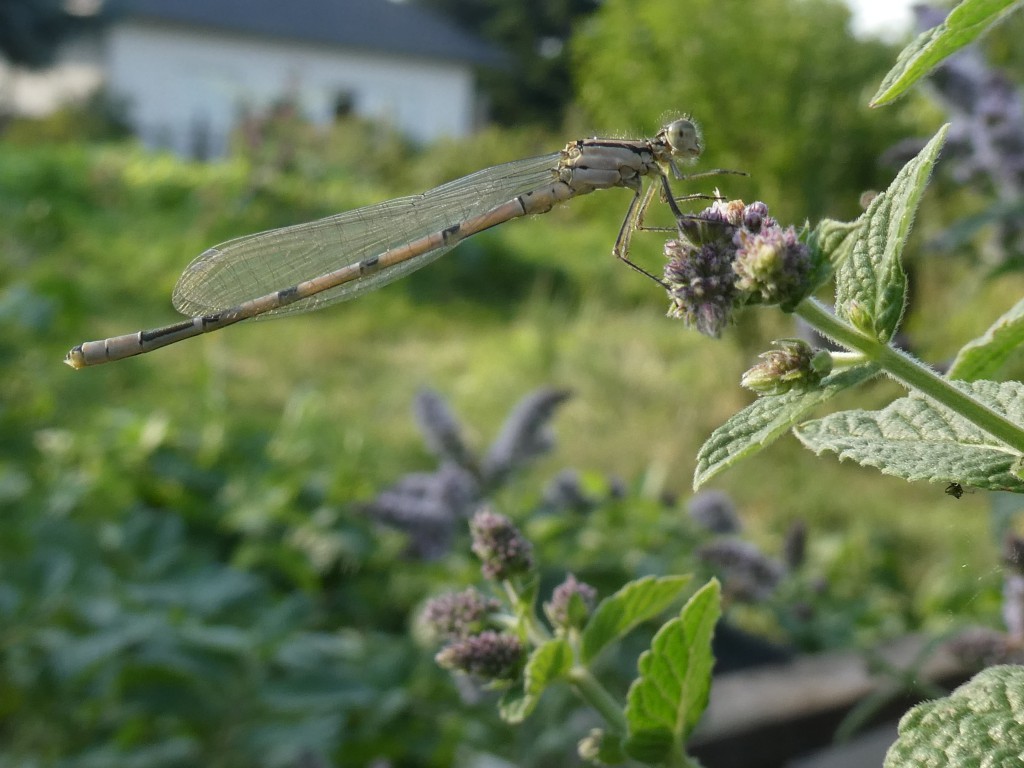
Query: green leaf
(835, 239)
(917, 439)
(547, 663)
(634, 603)
(872, 278)
(964, 23)
(982, 358)
(515, 704)
(980, 723)
(665, 702)
(765, 420)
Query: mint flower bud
(794, 364)
(589, 747)
(600, 748)
(489, 656)
(503, 551)
(755, 217)
(772, 265)
(458, 614)
(728, 211)
(571, 603)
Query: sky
(890, 19)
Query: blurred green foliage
(101, 117)
(535, 83)
(780, 88)
(185, 573)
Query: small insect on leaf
(955, 490)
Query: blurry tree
(32, 30)
(536, 85)
(780, 87)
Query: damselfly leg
(640, 204)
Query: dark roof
(379, 25)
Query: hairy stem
(913, 374)
(595, 694)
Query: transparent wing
(255, 265)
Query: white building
(188, 69)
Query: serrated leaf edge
(673, 586)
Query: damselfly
(309, 266)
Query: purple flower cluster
(503, 551)
(430, 506)
(728, 256)
(701, 285)
(469, 621)
(771, 265)
(571, 603)
(489, 655)
(427, 506)
(459, 614)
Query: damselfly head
(682, 138)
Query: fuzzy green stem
(913, 374)
(842, 361)
(595, 694)
(537, 632)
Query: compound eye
(683, 138)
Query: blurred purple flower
(503, 550)
(489, 655)
(564, 492)
(441, 429)
(525, 435)
(571, 603)
(747, 573)
(714, 511)
(459, 614)
(428, 506)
